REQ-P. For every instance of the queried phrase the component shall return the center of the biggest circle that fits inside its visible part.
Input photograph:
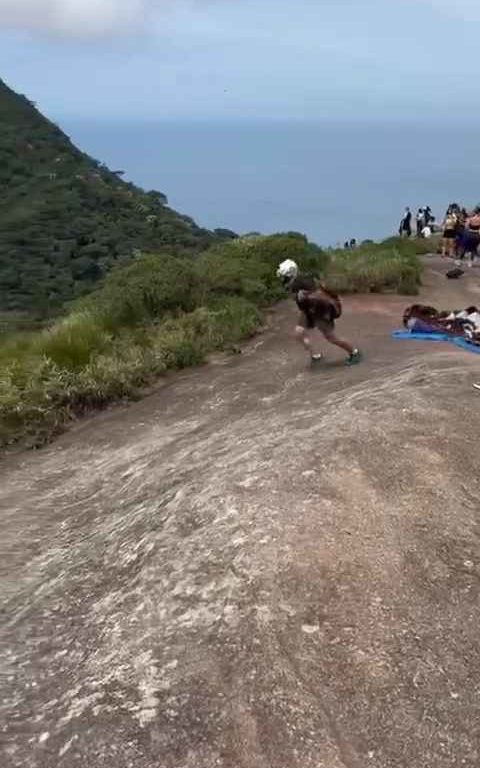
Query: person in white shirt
(420, 221)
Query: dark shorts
(471, 241)
(308, 321)
(449, 234)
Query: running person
(319, 308)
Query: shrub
(272, 249)
(410, 246)
(223, 274)
(71, 342)
(367, 270)
(48, 382)
(144, 291)
(227, 321)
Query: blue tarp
(464, 344)
(417, 335)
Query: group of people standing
(461, 233)
(460, 229)
(424, 220)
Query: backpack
(454, 274)
(325, 294)
(320, 295)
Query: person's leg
(469, 249)
(330, 335)
(444, 247)
(332, 338)
(451, 247)
(475, 245)
(302, 334)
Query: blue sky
(243, 59)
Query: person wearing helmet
(319, 308)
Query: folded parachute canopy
(463, 324)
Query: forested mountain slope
(65, 218)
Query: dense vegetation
(375, 267)
(66, 219)
(155, 314)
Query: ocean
(331, 181)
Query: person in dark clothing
(472, 235)
(319, 308)
(406, 224)
(459, 250)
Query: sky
(301, 60)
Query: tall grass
(373, 270)
(163, 313)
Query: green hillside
(66, 219)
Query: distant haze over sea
(332, 181)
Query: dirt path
(255, 566)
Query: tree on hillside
(65, 218)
